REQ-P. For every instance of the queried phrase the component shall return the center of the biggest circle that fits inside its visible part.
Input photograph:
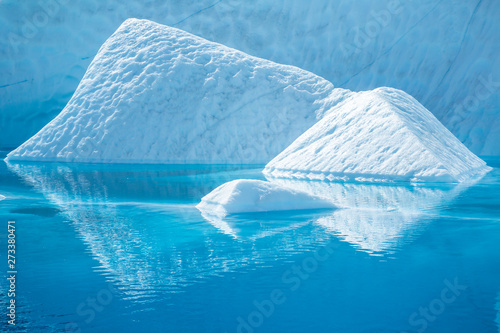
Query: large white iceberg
(444, 53)
(379, 135)
(250, 195)
(156, 94)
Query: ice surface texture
(156, 94)
(249, 195)
(379, 135)
(444, 53)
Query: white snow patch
(156, 94)
(380, 135)
(249, 195)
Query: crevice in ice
(13, 84)
(201, 10)
(461, 44)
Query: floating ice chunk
(2, 197)
(156, 94)
(248, 195)
(378, 135)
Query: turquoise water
(121, 248)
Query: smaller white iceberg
(378, 135)
(1, 197)
(248, 195)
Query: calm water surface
(122, 248)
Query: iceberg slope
(249, 195)
(156, 94)
(383, 134)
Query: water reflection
(497, 320)
(377, 218)
(249, 227)
(140, 223)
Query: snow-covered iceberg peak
(378, 135)
(250, 195)
(156, 94)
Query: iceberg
(427, 48)
(156, 94)
(1, 197)
(379, 135)
(250, 195)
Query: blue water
(121, 248)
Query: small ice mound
(156, 94)
(1, 197)
(248, 195)
(378, 135)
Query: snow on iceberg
(378, 135)
(156, 94)
(359, 45)
(250, 195)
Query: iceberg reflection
(249, 227)
(145, 232)
(377, 218)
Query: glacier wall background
(444, 53)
